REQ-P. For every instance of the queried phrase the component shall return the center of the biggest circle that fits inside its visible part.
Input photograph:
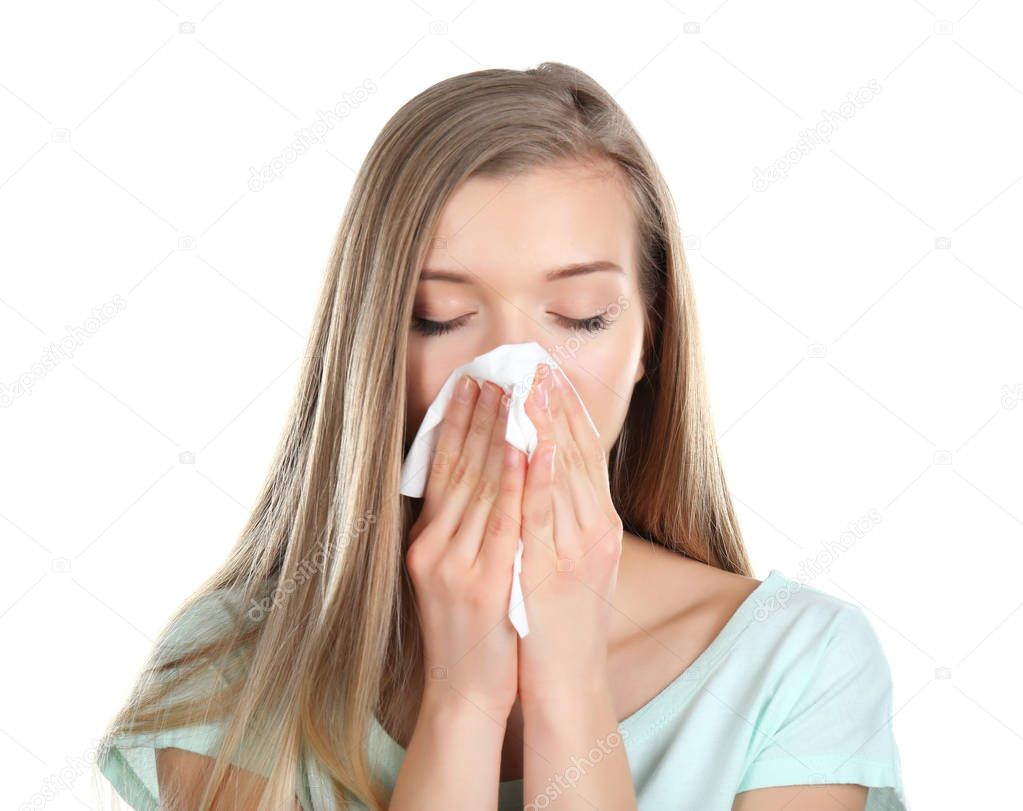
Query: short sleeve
(129, 762)
(830, 722)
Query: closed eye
(424, 327)
(595, 323)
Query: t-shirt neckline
(632, 727)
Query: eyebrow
(575, 269)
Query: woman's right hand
(461, 553)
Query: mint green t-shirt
(794, 690)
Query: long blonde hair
(333, 637)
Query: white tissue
(509, 365)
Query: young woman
(355, 651)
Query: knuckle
(610, 542)
(592, 526)
(509, 484)
(486, 490)
(416, 561)
(605, 550)
(442, 462)
(449, 575)
(476, 597)
(479, 427)
(462, 472)
(573, 456)
(541, 517)
(501, 524)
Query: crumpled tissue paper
(508, 365)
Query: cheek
(603, 377)
(416, 393)
(607, 407)
(425, 372)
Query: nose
(510, 317)
(515, 327)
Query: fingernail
(489, 394)
(463, 389)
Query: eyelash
(595, 323)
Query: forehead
(545, 218)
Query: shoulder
(223, 618)
(204, 620)
(660, 588)
(682, 602)
(145, 766)
(203, 615)
(183, 775)
(809, 616)
(824, 698)
(817, 657)
(791, 633)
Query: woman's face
(488, 277)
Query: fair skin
(621, 617)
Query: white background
(862, 318)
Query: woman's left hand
(572, 538)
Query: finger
(539, 492)
(566, 514)
(467, 540)
(537, 407)
(573, 473)
(465, 472)
(548, 429)
(539, 556)
(585, 433)
(451, 436)
(504, 527)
